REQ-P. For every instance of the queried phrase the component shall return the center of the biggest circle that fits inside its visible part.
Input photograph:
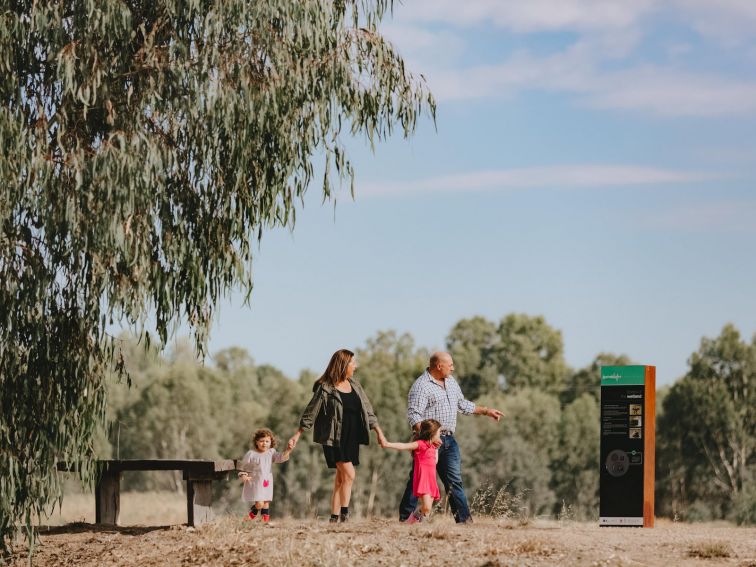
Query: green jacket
(325, 412)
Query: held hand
(388, 444)
(291, 444)
(380, 437)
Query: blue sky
(593, 163)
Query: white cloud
(667, 92)
(730, 215)
(724, 20)
(655, 89)
(554, 177)
(416, 43)
(526, 16)
(565, 71)
(730, 22)
(600, 68)
(679, 49)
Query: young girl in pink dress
(257, 472)
(425, 454)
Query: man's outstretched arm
(493, 413)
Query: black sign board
(627, 446)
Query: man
(437, 395)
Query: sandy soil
(487, 542)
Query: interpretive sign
(626, 482)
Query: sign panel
(627, 458)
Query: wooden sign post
(626, 482)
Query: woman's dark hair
(337, 367)
(262, 434)
(428, 428)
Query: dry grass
(527, 547)
(710, 549)
(303, 543)
(137, 508)
(501, 503)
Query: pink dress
(424, 475)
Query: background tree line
(544, 454)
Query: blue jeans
(449, 468)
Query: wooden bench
(198, 474)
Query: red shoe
(411, 519)
(266, 518)
(252, 515)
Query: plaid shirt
(428, 399)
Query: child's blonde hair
(262, 434)
(428, 428)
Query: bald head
(440, 365)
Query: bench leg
(199, 500)
(108, 498)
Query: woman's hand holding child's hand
(293, 441)
(382, 441)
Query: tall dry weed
(501, 503)
(566, 514)
(710, 550)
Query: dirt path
(383, 542)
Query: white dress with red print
(259, 487)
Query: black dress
(348, 450)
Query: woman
(342, 417)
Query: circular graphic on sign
(617, 462)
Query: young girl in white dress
(257, 472)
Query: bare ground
(487, 542)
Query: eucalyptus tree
(530, 353)
(575, 468)
(471, 343)
(145, 145)
(708, 430)
(517, 454)
(587, 380)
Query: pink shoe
(416, 516)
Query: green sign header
(623, 375)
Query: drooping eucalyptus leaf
(145, 146)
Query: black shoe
(344, 518)
(333, 519)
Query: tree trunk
(373, 489)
